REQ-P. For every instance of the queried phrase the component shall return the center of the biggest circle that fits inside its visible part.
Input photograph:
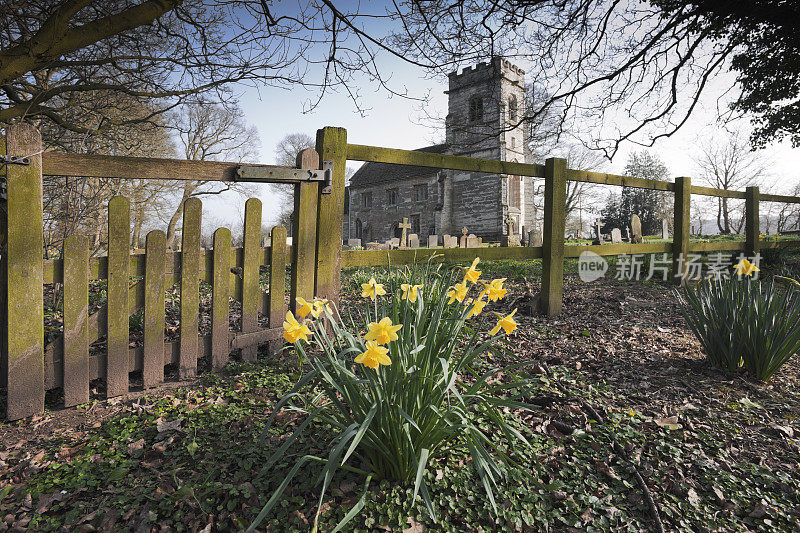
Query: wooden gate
(136, 282)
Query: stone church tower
(486, 104)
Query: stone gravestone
(599, 238)
(535, 238)
(433, 241)
(473, 241)
(405, 225)
(616, 236)
(354, 243)
(628, 234)
(450, 241)
(375, 246)
(664, 229)
(510, 238)
(393, 243)
(636, 228)
(413, 240)
(464, 233)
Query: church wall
(382, 217)
(480, 211)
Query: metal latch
(327, 179)
(14, 160)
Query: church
(485, 106)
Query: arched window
(514, 191)
(475, 109)
(359, 228)
(512, 108)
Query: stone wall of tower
(479, 201)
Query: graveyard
(399, 267)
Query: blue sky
(394, 121)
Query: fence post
(332, 147)
(190, 287)
(555, 200)
(24, 250)
(680, 233)
(752, 231)
(303, 231)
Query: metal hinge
(274, 174)
(14, 160)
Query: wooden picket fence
(28, 368)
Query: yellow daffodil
(410, 292)
(303, 308)
(494, 290)
(477, 308)
(293, 330)
(382, 332)
(472, 273)
(745, 268)
(371, 289)
(320, 306)
(458, 292)
(507, 323)
(374, 356)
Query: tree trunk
(188, 188)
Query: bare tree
(286, 155)
(209, 131)
(728, 163)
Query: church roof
(375, 173)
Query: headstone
(375, 246)
(664, 229)
(354, 243)
(433, 241)
(628, 234)
(535, 238)
(473, 241)
(393, 243)
(450, 241)
(413, 240)
(616, 236)
(636, 228)
(464, 233)
(599, 239)
(511, 238)
(405, 225)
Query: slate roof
(375, 173)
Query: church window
(359, 228)
(512, 109)
(475, 109)
(366, 199)
(392, 197)
(514, 186)
(513, 143)
(415, 224)
(421, 192)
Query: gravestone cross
(405, 225)
(464, 233)
(599, 238)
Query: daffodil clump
(403, 382)
(745, 323)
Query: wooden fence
(29, 368)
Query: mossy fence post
(680, 233)
(555, 205)
(23, 243)
(332, 148)
(751, 221)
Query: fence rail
(137, 281)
